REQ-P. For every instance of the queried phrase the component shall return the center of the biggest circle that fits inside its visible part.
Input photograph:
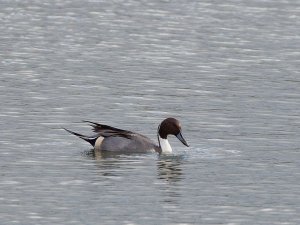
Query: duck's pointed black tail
(91, 140)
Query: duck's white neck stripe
(165, 145)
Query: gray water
(228, 70)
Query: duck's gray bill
(179, 136)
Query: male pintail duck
(112, 139)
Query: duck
(111, 139)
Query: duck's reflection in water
(116, 164)
(109, 164)
(102, 155)
(169, 168)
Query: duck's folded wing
(108, 131)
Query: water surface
(229, 71)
